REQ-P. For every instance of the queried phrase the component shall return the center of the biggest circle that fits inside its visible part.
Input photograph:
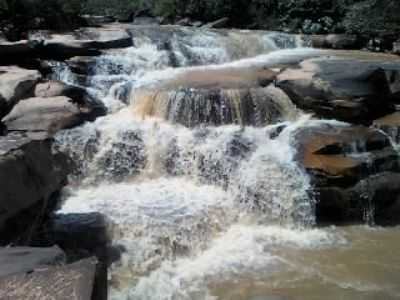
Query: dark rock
(17, 260)
(349, 167)
(31, 172)
(81, 64)
(342, 88)
(396, 47)
(12, 52)
(373, 200)
(69, 282)
(15, 84)
(86, 235)
(81, 232)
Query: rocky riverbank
(46, 86)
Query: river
(206, 202)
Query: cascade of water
(192, 204)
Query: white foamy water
(207, 213)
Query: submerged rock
(352, 169)
(193, 107)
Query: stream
(208, 202)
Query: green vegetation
(308, 16)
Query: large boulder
(79, 95)
(352, 89)
(350, 167)
(69, 282)
(15, 84)
(48, 114)
(31, 174)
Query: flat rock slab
(70, 282)
(16, 260)
(51, 114)
(43, 114)
(81, 42)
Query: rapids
(206, 200)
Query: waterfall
(194, 166)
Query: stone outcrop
(31, 173)
(56, 106)
(15, 84)
(355, 172)
(73, 282)
(17, 260)
(353, 89)
(44, 115)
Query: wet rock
(336, 41)
(79, 95)
(352, 90)
(15, 84)
(69, 282)
(345, 163)
(390, 124)
(17, 260)
(30, 174)
(372, 200)
(86, 235)
(43, 114)
(85, 232)
(81, 64)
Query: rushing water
(215, 209)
